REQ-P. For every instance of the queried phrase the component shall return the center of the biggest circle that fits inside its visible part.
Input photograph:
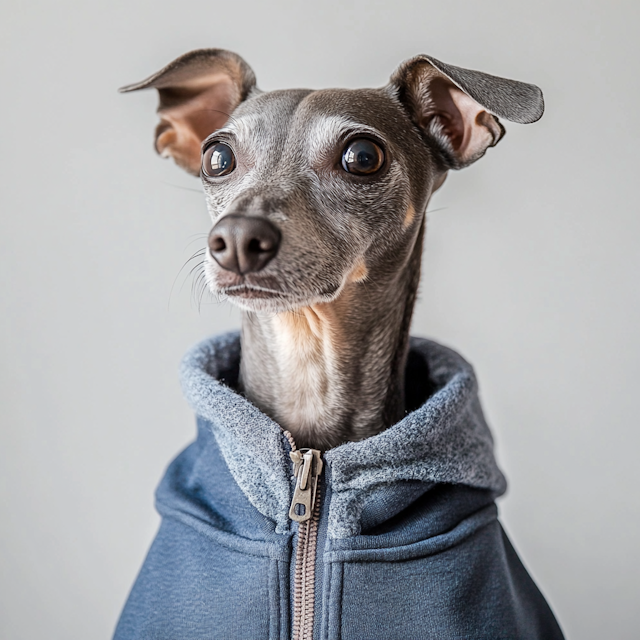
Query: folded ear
(198, 92)
(457, 108)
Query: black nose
(243, 244)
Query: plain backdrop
(531, 272)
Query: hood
(444, 440)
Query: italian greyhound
(318, 200)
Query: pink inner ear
(189, 113)
(476, 137)
(468, 127)
(443, 107)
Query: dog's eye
(218, 160)
(362, 157)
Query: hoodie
(392, 537)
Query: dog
(318, 202)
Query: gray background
(530, 271)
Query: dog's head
(311, 191)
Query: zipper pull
(307, 467)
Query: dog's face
(310, 191)
(342, 175)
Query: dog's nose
(243, 244)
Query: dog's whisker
(200, 283)
(197, 266)
(196, 238)
(204, 291)
(196, 282)
(198, 254)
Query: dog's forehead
(314, 117)
(371, 107)
(267, 114)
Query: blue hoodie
(398, 538)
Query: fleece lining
(445, 440)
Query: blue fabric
(409, 545)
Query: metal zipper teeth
(308, 492)
(304, 582)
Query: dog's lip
(250, 290)
(247, 290)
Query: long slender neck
(334, 372)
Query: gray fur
(326, 322)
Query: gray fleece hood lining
(445, 440)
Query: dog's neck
(334, 372)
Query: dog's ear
(456, 108)
(198, 92)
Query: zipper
(305, 510)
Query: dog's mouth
(265, 292)
(248, 291)
(253, 297)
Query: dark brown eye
(362, 157)
(218, 160)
